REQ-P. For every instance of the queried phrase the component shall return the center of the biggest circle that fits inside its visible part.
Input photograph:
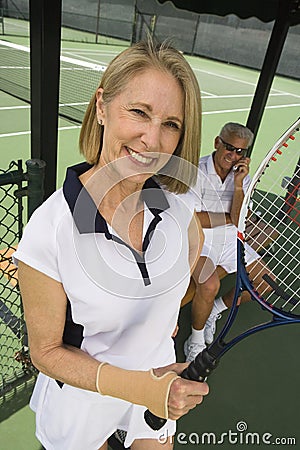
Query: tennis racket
(271, 211)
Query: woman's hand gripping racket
(272, 205)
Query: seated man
(222, 181)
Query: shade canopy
(265, 10)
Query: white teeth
(140, 158)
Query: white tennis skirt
(69, 418)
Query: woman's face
(142, 125)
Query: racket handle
(154, 422)
(197, 370)
(201, 367)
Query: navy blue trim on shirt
(73, 333)
(89, 220)
(84, 211)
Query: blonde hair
(120, 71)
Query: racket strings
(274, 253)
(290, 206)
(283, 260)
(272, 227)
(258, 236)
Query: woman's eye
(139, 112)
(172, 125)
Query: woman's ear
(100, 106)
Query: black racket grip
(201, 367)
(154, 422)
(197, 370)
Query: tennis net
(78, 79)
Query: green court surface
(254, 393)
(253, 396)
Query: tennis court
(227, 92)
(253, 391)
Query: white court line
(94, 51)
(240, 81)
(96, 66)
(74, 104)
(21, 133)
(2, 108)
(28, 106)
(15, 67)
(279, 92)
(247, 109)
(27, 49)
(15, 46)
(224, 76)
(209, 95)
(83, 58)
(95, 59)
(107, 52)
(90, 60)
(275, 94)
(84, 50)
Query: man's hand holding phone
(242, 166)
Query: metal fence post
(35, 189)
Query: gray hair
(239, 130)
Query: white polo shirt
(213, 194)
(122, 306)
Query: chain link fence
(17, 373)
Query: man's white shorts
(220, 246)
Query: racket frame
(206, 361)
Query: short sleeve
(38, 245)
(197, 190)
(246, 183)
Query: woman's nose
(151, 136)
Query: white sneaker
(210, 326)
(191, 349)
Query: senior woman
(106, 260)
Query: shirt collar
(212, 170)
(84, 211)
(210, 165)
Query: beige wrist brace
(138, 387)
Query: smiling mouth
(138, 157)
